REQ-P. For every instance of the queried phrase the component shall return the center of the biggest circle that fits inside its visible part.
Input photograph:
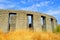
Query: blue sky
(50, 7)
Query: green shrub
(57, 28)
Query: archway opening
(30, 21)
(12, 21)
(43, 22)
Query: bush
(58, 29)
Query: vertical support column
(55, 24)
(21, 22)
(37, 23)
(48, 24)
(0, 19)
(52, 24)
(4, 21)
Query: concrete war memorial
(18, 19)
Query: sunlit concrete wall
(22, 21)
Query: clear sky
(50, 7)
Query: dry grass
(28, 35)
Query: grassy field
(28, 35)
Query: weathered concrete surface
(21, 20)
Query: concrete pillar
(21, 20)
(48, 24)
(4, 21)
(37, 23)
(55, 24)
(0, 19)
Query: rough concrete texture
(20, 21)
